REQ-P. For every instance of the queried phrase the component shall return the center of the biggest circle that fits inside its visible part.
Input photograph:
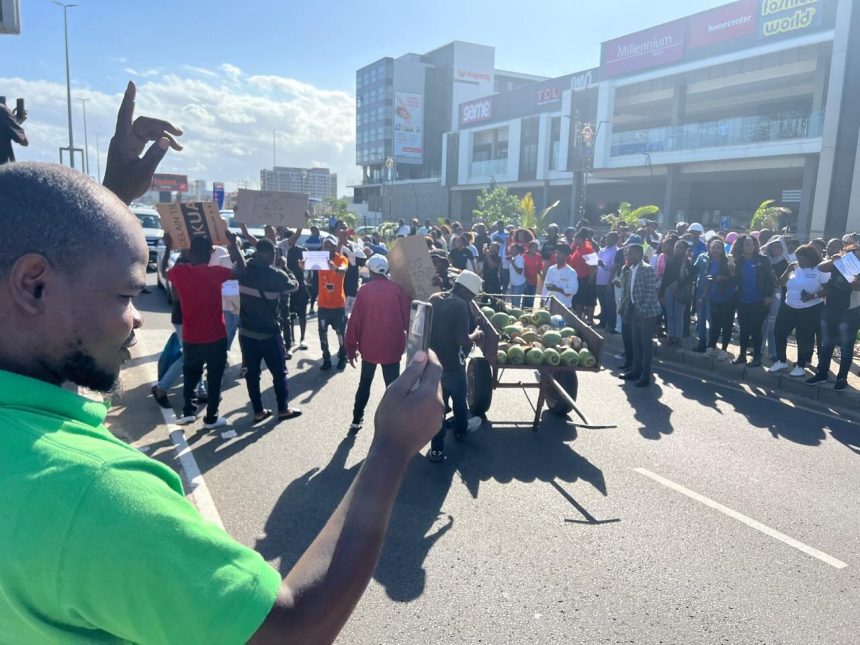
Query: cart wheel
(554, 403)
(479, 386)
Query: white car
(151, 223)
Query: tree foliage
(767, 215)
(629, 215)
(497, 205)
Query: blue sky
(229, 73)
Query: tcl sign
(547, 95)
(476, 111)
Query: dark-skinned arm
(128, 174)
(320, 592)
(236, 255)
(168, 247)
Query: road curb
(709, 368)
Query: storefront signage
(476, 111)
(548, 95)
(781, 17)
(167, 183)
(471, 75)
(644, 49)
(724, 23)
(583, 81)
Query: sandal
(262, 416)
(289, 413)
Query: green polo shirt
(99, 544)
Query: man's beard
(81, 368)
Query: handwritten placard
(316, 260)
(410, 266)
(185, 221)
(848, 265)
(272, 207)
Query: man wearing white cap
(452, 337)
(699, 245)
(377, 330)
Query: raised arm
(320, 592)
(236, 255)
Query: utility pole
(98, 160)
(86, 144)
(66, 8)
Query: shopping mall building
(705, 116)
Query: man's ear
(28, 282)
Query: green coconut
(500, 320)
(567, 332)
(516, 355)
(551, 338)
(569, 358)
(501, 357)
(587, 359)
(551, 357)
(534, 356)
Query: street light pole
(98, 160)
(66, 8)
(274, 152)
(86, 144)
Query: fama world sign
(780, 17)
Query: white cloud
(227, 116)
(147, 73)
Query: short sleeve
(140, 563)
(222, 273)
(824, 277)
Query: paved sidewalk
(781, 383)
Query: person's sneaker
(841, 384)
(341, 364)
(797, 372)
(186, 419)
(210, 424)
(325, 366)
(436, 456)
(160, 397)
(355, 426)
(288, 355)
(303, 345)
(740, 360)
(755, 362)
(777, 367)
(816, 379)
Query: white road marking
(740, 517)
(198, 490)
(229, 434)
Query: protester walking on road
(756, 284)
(377, 332)
(452, 336)
(604, 279)
(640, 308)
(332, 304)
(260, 289)
(801, 311)
(204, 335)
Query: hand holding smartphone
(420, 324)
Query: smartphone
(420, 324)
(19, 108)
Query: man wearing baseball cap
(377, 330)
(699, 245)
(452, 336)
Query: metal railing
(488, 168)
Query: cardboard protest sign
(183, 222)
(316, 260)
(272, 207)
(410, 266)
(848, 265)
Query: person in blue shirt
(755, 284)
(698, 243)
(374, 243)
(717, 296)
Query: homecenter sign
(644, 49)
(719, 25)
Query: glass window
(554, 142)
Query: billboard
(218, 193)
(719, 25)
(644, 49)
(789, 17)
(476, 111)
(408, 126)
(166, 183)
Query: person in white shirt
(561, 281)
(403, 229)
(804, 302)
(518, 275)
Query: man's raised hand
(128, 174)
(411, 411)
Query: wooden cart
(557, 385)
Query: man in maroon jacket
(377, 330)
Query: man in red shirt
(377, 330)
(533, 269)
(583, 259)
(204, 335)
(331, 304)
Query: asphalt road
(564, 535)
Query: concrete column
(670, 194)
(832, 117)
(807, 195)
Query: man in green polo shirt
(97, 541)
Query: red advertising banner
(170, 182)
(724, 23)
(644, 49)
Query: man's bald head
(58, 213)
